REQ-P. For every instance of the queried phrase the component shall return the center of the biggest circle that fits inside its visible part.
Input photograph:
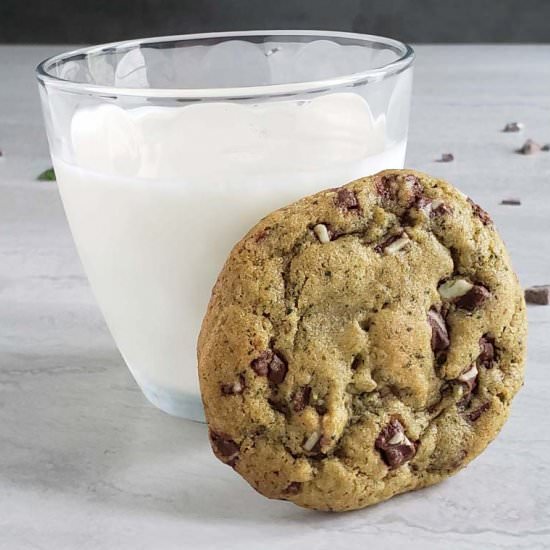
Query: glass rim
(243, 92)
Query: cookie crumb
(538, 294)
(47, 175)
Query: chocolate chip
(424, 203)
(476, 413)
(300, 399)
(440, 334)
(480, 213)
(293, 489)
(394, 445)
(262, 234)
(260, 365)
(513, 127)
(511, 202)
(234, 388)
(346, 199)
(406, 189)
(486, 351)
(412, 184)
(279, 406)
(457, 462)
(440, 209)
(386, 187)
(545, 147)
(474, 298)
(538, 294)
(446, 157)
(321, 409)
(277, 369)
(224, 446)
(530, 147)
(469, 377)
(432, 208)
(440, 358)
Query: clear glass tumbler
(167, 150)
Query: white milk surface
(157, 197)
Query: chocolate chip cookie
(362, 342)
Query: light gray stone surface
(87, 463)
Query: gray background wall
(85, 21)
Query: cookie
(362, 342)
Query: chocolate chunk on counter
(440, 334)
(446, 157)
(511, 202)
(473, 299)
(513, 127)
(530, 147)
(395, 447)
(538, 294)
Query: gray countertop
(86, 462)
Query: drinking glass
(166, 150)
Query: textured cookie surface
(362, 342)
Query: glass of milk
(167, 150)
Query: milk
(157, 196)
